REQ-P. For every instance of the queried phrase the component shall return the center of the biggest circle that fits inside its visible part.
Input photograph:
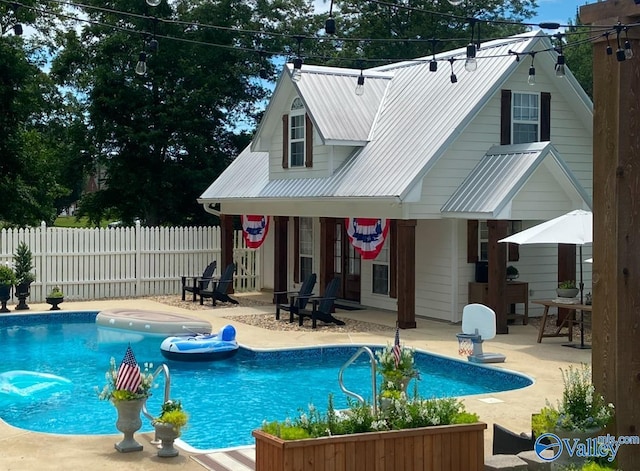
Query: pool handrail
(167, 388)
(372, 361)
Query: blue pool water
(226, 400)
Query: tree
(578, 54)
(32, 108)
(397, 30)
(159, 139)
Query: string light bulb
(153, 3)
(297, 69)
(471, 64)
(628, 52)
(560, 66)
(360, 85)
(453, 77)
(433, 64)
(531, 80)
(330, 23)
(456, 3)
(141, 66)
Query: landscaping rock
(504, 463)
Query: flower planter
(22, 292)
(5, 294)
(128, 423)
(167, 434)
(445, 448)
(54, 303)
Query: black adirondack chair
(322, 306)
(220, 288)
(297, 299)
(193, 284)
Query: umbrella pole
(581, 302)
(581, 286)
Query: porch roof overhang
(493, 184)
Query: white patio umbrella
(575, 227)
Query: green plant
(567, 284)
(359, 417)
(512, 272)
(172, 414)
(110, 392)
(581, 408)
(23, 264)
(55, 292)
(7, 275)
(393, 375)
(544, 421)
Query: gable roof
(339, 115)
(414, 116)
(488, 190)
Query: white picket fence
(124, 261)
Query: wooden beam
(609, 12)
(497, 281)
(327, 252)
(406, 257)
(226, 244)
(566, 271)
(616, 247)
(280, 257)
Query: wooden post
(406, 273)
(327, 252)
(226, 244)
(497, 281)
(566, 271)
(616, 245)
(280, 257)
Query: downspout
(211, 209)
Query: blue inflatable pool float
(201, 347)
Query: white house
(453, 166)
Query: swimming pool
(225, 400)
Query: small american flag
(397, 349)
(129, 373)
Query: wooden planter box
(448, 447)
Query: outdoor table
(567, 322)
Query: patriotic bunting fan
(367, 235)
(254, 230)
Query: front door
(346, 264)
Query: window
(483, 240)
(306, 247)
(381, 270)
(297, 134)
(526, 118)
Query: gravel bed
(268, 319)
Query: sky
(559, 11)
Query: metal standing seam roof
(421, 114)
(336, 111)
(499, 176)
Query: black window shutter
(545, 116)
(505, 117)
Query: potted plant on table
(127, 388)
(23, 266)
(567, 289)
(55, 297)
(169, 426)
(7, 280)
